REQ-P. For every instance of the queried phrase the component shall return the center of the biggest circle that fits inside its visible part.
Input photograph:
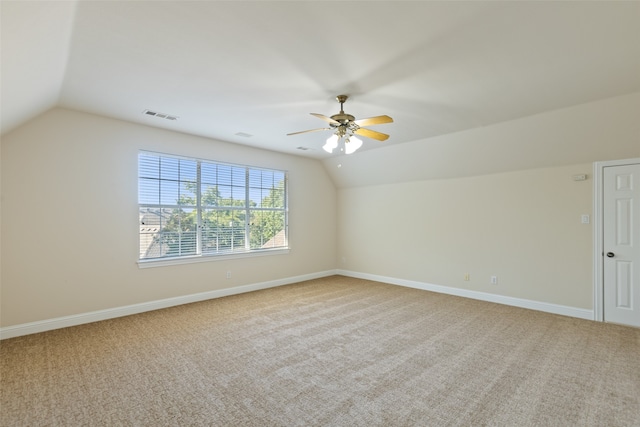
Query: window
(191, 207)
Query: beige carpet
(328, 352)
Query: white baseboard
(564, 310)
(95, 316)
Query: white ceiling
(260, 68)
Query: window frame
(247, 210)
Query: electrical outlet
(466, 277)
(229, 274)
(494, 280)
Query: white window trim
(193, 259)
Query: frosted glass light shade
(332, 143)
(353, 144)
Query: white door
(621, 244)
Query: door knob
(610, 254)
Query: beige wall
(497, 200)
(70, 220)
(522, 226)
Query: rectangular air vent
(160, 115)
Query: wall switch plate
(584, 219)
(466, 277)
(494, 280)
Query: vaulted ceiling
(251, 72)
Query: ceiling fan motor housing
(342, 118)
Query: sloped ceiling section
(602, 130)
(35, 42)
(251, 72)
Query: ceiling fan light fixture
(344, 126)
(351, 144)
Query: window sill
(162, 262)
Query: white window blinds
(191, 207)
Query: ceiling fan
(345, 126)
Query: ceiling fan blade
(326, 119)
(378, 120)
(307, 131)
(372, 134)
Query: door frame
(598, 232)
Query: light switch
(584, 219)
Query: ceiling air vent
(159, 115)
